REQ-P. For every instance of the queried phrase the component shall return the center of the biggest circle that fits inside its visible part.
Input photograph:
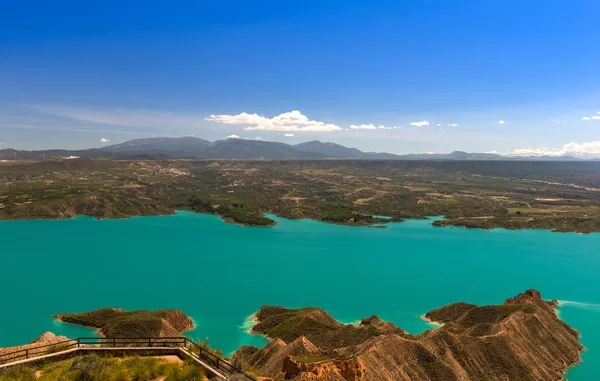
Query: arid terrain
(562, 196)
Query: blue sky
(73, 73)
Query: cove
(220, 274)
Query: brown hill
(522, 339)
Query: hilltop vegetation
(317, 326)
(562, 196)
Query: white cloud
(289, 121)
(1, 143)
(233, 137)
(596, 117)
(104, 140)
(501, 122)
(258, 138)
(290, 135)
(492, 152)
(559, 121)
(420, 124)
(586, 118)
(588, 148)
(439, 125)
(453, 125)
(373, 127)
(363, 127)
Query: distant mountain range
(192, 147)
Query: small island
(115, 322)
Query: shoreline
(255, 321)
(435, 323)
(368, 225)
(97, 330)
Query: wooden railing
(193, 348)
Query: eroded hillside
(522, 339)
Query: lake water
(220, 274)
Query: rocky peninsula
(521, 339)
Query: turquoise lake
(220, 274)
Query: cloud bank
(289, 121)
(583, 149)
(233, 137)
(104, 140)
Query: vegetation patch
(318, 327)
(96, 368)
(450, 312)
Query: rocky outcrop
(338, 370)
(270, 358)
(521, 339)
(45, 341)
(115, 322)
(48, 338)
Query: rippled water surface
(220, 274)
